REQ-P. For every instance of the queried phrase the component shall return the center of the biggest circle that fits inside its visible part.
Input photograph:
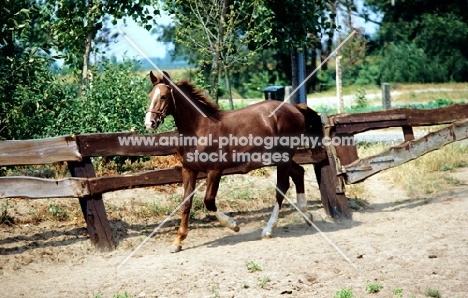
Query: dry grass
(420, 93)
(24, 211)
(238, 193)
(433, 86)
(426, 175)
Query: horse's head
(161, 101)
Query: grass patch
(262, 282)
(344, 293)
(398, 292)
(215, 291)
(373, 288)
(5, 217)
(58, 212)
(253, 267)
(124, 295)
(432, 293)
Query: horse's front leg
(212, 186)
(189, 178)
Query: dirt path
(396, 241)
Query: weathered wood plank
(346, 151)
(408, 133)
(331, 185)
(356, 123)
(174, 175)
(36, 188)
(335, 204)
(397, 155)
(99, 185)
(128, 144)
(93, 208)
(104, 184)
(40, 151)
(366, 117)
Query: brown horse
(212, 140)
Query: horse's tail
(313, 122)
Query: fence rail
(77, 151)
(334, 166)
(76, 187)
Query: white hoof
(301, 202)
(226, 221)
(176, 248)
(266, 235)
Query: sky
(148, 44)
(141, 37)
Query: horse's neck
(189, 118)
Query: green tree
(438, 32)
(78, 27)
(223, 33)
(29, 93)
(299, 26)
(277, 27)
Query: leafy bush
(44, 105)
(31, 96)
(115, 100)
(406, 62)
(360, 99)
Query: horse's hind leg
(297, 175)
(189, 177)
(212, 185)
(282, 186)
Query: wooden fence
(77, 151)
(334, 166)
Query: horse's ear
(154, 79)
(167, 79)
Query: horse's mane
(204, 103)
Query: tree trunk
(215, 75)
(217, 52)
(88, 42)
(84, 72)
(228, 87)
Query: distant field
(408, 92)
(401, 93)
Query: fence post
(93, 209)
(386, 100)
(331, 186)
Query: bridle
(153, 110)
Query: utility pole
(301, 76)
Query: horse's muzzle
(159, 121)
(153, 123)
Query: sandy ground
(399, 242)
